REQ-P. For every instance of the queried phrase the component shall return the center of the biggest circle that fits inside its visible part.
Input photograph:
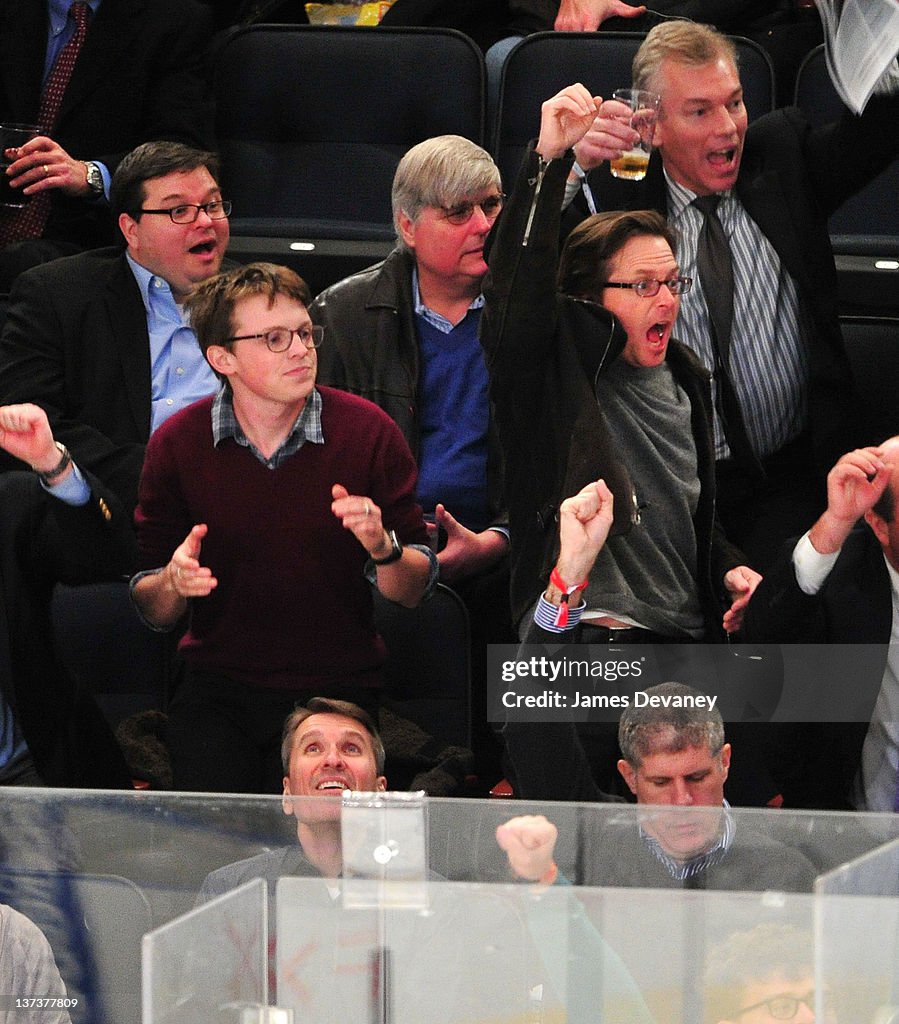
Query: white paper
(861, 39)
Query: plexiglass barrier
(873, 873)
(492, 953)
(617, 938)
(210, 963)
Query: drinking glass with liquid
(644, 112)
(11, 137)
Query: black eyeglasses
(463, 213)
(278, 339)
(648, 288)
(783, 1007)
(187, 213)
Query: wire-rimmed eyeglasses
(463, 212)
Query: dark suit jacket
(139, 76)
(792, 177)
(853, 607)
(76, 343)
(42, 542)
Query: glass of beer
(11, 137)
(644, 108)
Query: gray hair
(684, 42)
(656, 730)
(444, 171)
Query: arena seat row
(865, 229)
(311, 125)
(308, 159)
(131, 669)
(312, 121)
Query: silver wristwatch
(94, 178)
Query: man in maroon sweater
(271, 509)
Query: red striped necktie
(29, 222)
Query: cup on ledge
(644, 107)
(11, 137)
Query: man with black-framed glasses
(99, 77)
(750, 203)
(100, 340)
(765, 974)
(588, 380)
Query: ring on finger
(367, 508)
(46, 170)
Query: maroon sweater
(292, 608)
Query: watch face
(94, 178)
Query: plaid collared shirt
(308, 427)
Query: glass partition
(209, 963)
(496, 953)
(857, 918)
(874, 873)
(98, 871)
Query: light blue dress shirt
(179, 373)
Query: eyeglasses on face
(187, 213)
(278, 339)
(648, 288)
(463, 213)
(783, 1007)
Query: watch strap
(64, 460)
(396, 551)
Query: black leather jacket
(371, 349)
(545, 351)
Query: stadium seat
(101, 640)
(865, 229)
(428, 669)
(872, 344)
(311, 123)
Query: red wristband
(567, 591)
